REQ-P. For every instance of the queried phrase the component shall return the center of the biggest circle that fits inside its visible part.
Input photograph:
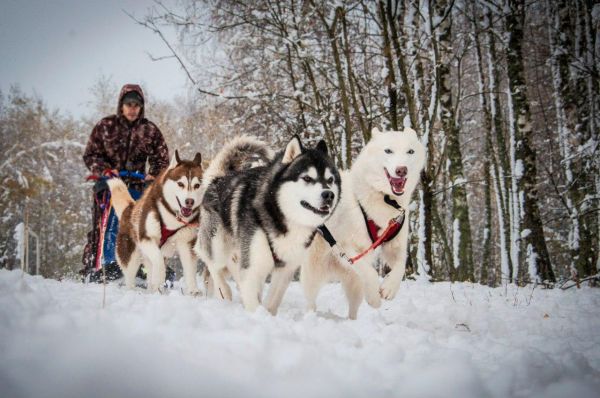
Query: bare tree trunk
(536, 263)
(390, 78)
(461, 237)
(489, 166)
(332, 34)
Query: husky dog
(262, 220)
(162, 221)
(374, 191)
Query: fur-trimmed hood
(127, 88)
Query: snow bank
(433, 340)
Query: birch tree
(462, 251)
(535, 262)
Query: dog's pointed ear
(408, 130)
(197, 159)
(322, 147)
(174, 160)
(375, 132)
(292, 150)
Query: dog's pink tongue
(397, 184)
(186, 212)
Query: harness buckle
(400, 218)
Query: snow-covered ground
(433, 340)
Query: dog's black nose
(401, 171)
(327, 196)
(189, 202)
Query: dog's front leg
(370, 280)
(394, 255)
(313, 272)
(188, 262)
(257, 258)
(151, 251)
(280, 280)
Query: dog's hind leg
(208, 281)
(221, 287)
(130, 269)
(280, 280)
(128, 258)
(258, 259)
(155, 261)
(215, 260)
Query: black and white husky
(262, 220)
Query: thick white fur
(367, 183)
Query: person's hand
(149, 178)
(110, 173)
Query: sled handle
(122, 173)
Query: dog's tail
(120, 196)
(243, 152)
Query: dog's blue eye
(388, 151)
(411, 151)
(307, 179)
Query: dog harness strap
(166, 234)
(391, 202)
(395, 224)
(373, 228)
(326, 233)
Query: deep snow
(433, 340)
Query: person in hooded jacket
(123, 141)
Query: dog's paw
(389, 288)
(193, 292)
(374, 300)
(163, 290)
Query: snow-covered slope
(433, 340)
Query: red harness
(389, 233)
(393, 228)
(166, 233)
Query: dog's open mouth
(184, 210)
(397, 183)
(322, 211)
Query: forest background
(503, 93)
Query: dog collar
(391, 202)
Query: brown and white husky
(162, 222)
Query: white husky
(376, 190)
